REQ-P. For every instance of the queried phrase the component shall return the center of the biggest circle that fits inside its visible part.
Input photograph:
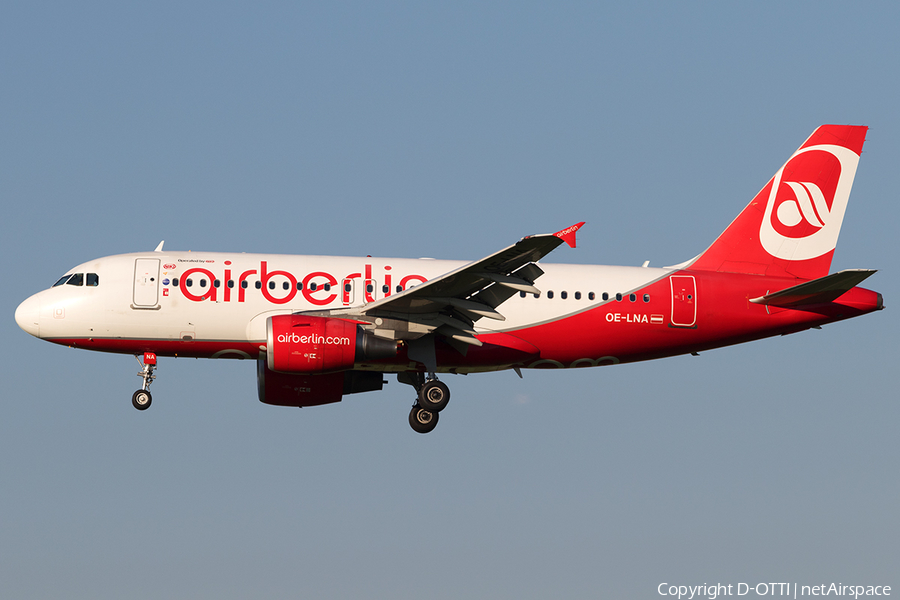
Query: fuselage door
(684, 300)
(146, 282)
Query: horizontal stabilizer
(818, 291)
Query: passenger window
(591, 296)
(313, 286)
(605, 296)
(618, 297)
(632, 297)
(578, 295)
(271, 285)
(202, 283)
(399, 288)
(370, 288)
(175, 282)
(286, 285)
(188, 282)
(327, 287)
(385, 289)
(522, 294)
(76, 279)
(93, 280)
(230, 283)
(646, 297)
(550, 294)
(258, 284)
(299, 285)
(62, 280)
(347, 287)
(563, 295)
(216, 283)
(244, 284)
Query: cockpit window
(78, 279)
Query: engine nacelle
(300, 389)
(303, 344)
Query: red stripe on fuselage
(625, 331)
(190, 349)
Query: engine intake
(303, 344)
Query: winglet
(159, 248)
(568, 234)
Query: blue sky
(447, 130)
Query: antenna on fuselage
(159, 248)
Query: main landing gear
(141, 399)
(432, 398)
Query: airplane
(321, 327)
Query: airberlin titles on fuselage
(315, 287)
(319, 288)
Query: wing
(450, 304)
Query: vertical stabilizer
(791, 227)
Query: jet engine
(301, 389)
(314, 345)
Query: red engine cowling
(285, 389)
(303, 389)
(302, 344)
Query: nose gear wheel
(141, 399)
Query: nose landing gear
(141, 399)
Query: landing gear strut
(141, 399)
(432, 397)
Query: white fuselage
(230, 295)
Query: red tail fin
(791, 227)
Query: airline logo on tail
(807, 201)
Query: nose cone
(27, 316)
